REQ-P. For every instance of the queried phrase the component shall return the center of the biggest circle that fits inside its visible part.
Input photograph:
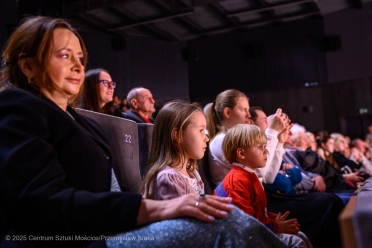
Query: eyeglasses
(107, 83)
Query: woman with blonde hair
(231, 107)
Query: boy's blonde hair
(167, 143)
(241, 136)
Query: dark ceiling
(180, 20)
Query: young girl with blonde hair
(179, 140)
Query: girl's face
(106, 92)
(253, 157)
(329, 146)
(194, 137)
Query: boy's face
(253, 157)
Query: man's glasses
(107, 83)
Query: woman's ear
(240, 153)
(226, 112)
(25, 66)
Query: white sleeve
(274, 167)
(272, 142)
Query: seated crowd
(275, 185)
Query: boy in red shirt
(244, 147)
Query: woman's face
(329, 146)
(311, 142)
(239, 114)
(106, 92)
(340, 144)
(65, 67)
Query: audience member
(141, 105)
(179, 140)
(311, 181)
(98, 92)
(287, 176)
(56, 166)
(244, 148)
(124, 105)
(117, 101)
(340, 146)
(311, 142)
(368, 137)
(358, 147)
(311, 161)
(315, 211)
(230, 108)
(326, 150)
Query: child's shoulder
(238, 173)
(168, 170)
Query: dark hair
(34, 38)
(253, 113)
(91, 93)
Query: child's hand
(287, 226)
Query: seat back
(203, 169)
(123, 137)
(144, 139)
(356, 218)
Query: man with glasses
(141, 105)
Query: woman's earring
(29, 80)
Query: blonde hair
(167, 143)
(241, 136)
(226, 99)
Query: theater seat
(144, 139)
(123, 137)
(356, 218)
(203, 169)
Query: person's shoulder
(117, 112)
(168, 171)
(217, 140)
(18, 98)
(17, 94)
(130, 115)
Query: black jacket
(130, 115)
(55, 174)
